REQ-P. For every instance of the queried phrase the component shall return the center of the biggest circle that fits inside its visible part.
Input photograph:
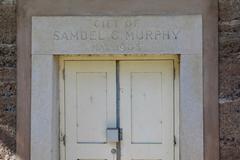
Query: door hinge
(174, 73)
(120, 134)
(174, 140)
(64, 140)
(63, 72)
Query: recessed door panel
(146, 107)
(91, 107)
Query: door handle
(114, 135)
(114, 151)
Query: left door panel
(90, 108)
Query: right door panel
(147, 110)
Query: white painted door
(146, 106)
(90, 107)
(146, 110)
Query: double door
(119, 110)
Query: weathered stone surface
(7, 2)
(7, 24)
(7, 80)
(229, 9)
(230, 27)
(7, 74)
(230, 130)
(7, 105)
(7, 89)
(229, 45)
(229, 79)
(8, 56)
(7, 121)
(229, 88)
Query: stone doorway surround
(56, 36)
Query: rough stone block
(8, 111)
(232, 27)
(229, 46)
(6, 2)
(8, 56)
(229, 69)
(7, 127)
(7, 74)
(7, 80)
(230, 130)
(229, 55)
(7, 89)
(229, 9)
(229, 88)
(7, 24)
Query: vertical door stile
(146, 114)
(118, 108)
(90, 109)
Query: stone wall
(229, 79)
(7, 79)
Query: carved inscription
(116, 35)
(103, 32)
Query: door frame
(62, 59)
(197, 126)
